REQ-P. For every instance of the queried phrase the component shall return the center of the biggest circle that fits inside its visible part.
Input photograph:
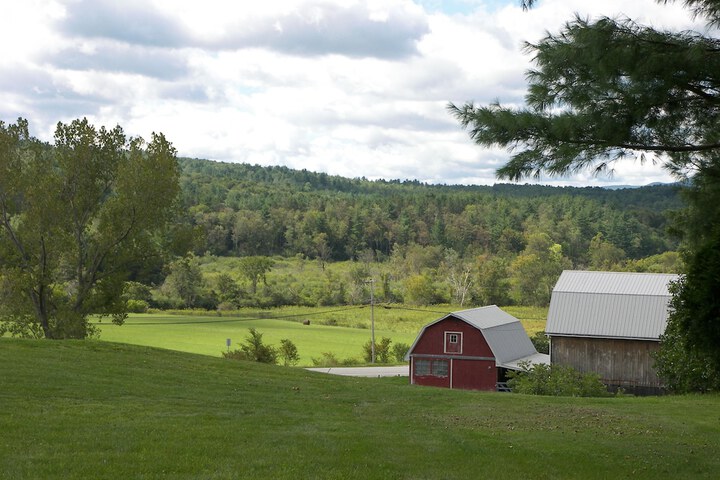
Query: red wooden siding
(432, 341)
(470, 361)
(474, 374)
(430, 380)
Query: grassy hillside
(101, 410)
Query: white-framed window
(453, 342)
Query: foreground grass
(102, 410)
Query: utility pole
(372, 319)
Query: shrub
(328, 359)
(235, 355)
(556, 380)
(541, 342)
(288, 352)
(254, 350)
(400, 350)
(137, 306)
(382, 350)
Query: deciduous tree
(75, 216)
(255, 268)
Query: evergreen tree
(608, 89)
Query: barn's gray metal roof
(535, 358)
(504, 334)
(484, 317)
(609, 305)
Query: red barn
(470, 349)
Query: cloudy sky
(357, 88)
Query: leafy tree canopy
(75, 218)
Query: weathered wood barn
(610, 323)
(470, 349)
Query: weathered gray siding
(620, 363)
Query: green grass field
(208, 335)
(89, 409)
(341, 331)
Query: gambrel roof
(610, 305)
(504, 334)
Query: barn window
(440, 368)
(431, 368)
(453, 342)
(422, 367)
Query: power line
(244, 319)
(389, 307)
(210, 320)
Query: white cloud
(349, 87)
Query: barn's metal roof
(521, 363)
(484, 317)
(609, 305)
(504, 334)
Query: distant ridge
(653, 184)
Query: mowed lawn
(208, 335)
(92, 409)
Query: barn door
(453, 342)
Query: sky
(357, 88)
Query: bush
(235, 355)
(254, 350)
(137, 306)
(328, 359)
(288, 352)
(382, 350)
(399, 351)
(556, 380)
(541, 342)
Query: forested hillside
(255, 229)
(252, 210)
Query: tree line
(243, 210)
(422, 244)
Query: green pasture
(341, 330)
(208, 335)
(91, 409)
